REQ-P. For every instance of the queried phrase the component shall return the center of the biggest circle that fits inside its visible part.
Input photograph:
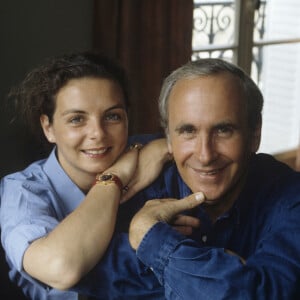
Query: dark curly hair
(36, 95)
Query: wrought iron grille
(214, 31)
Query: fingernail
(199, 196)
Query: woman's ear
(256, 136)
(47, 128)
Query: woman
(58, 215)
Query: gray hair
(207, 67)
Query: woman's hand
(151, 159)
(126, 165)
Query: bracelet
(137, 146)
(109, 178)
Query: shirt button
(204, 238)
(151, 269)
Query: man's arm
(188, 269)
(120, 275)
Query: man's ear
(256, 136)
(47, 128)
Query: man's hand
(164, 210)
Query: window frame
(244, 44)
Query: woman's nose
(96, 130)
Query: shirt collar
(66, 189)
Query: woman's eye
(76, 120)
(113, 117)
(225, 131)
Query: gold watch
(109, 178)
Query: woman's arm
(72, 249)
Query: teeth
(95, 152)
(210, 172)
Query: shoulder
(32, 178)
(276, 179)
(266, 171)
(266, 164)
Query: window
(263, 37)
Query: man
(243, 220)
(247, 245)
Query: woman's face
(89, 127)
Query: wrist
(109, 178)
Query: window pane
(223, 54)
(214, 23)
(280, 84)
(276, 20)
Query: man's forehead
(198, 100)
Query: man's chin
(211, 202)
(211, 197)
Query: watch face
(106, 177)
(109, 178)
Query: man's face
(209, 136)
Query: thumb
(189, 202)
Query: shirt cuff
(156, 247)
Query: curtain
(150, 38)
(297, 161)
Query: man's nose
(205, 149)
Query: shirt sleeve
(186, 268)
(120, 275)
(26, 215)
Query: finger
(187, 203)
(183, 220)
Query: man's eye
(187, 130)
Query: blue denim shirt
(263, 227)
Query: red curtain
(150, 38)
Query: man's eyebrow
(226, 124)
(184, 126)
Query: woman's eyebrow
(79, 111)
(73, 111)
